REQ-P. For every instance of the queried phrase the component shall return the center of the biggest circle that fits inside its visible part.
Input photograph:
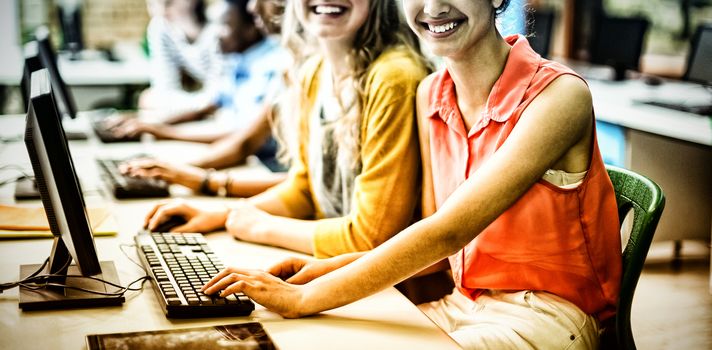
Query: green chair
(645, 198)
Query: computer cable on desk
(17, 138)
(35, 281)
(17, 168)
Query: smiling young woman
(515, 194)
(353, 182)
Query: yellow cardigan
(387, 190)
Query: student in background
(351, 185)
(252, 70)
(231, 150)
(183, 49)
(516, 191)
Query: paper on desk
(31, 222)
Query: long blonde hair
(384, 28)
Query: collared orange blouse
(562, 241)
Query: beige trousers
(514, 320)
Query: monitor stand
(52, 298)
(26, 189)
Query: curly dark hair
(503, 7)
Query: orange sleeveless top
(562, 241)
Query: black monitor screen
(699, 65)
(33, 63)
(65, 100)
(71, 23)
(56, 177)
(618, 42)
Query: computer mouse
(170, 223)
(652, 80)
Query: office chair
(645, 198)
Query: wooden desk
(386, 320)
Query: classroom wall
(668, 38)
(104, 22)
(668, 34)
(107, 22)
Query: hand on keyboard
(182, 174)
(262, 287)
(171, 223)
(180, 264)
(124, 186)
(198, 219)
(106, 128)
(135, 127)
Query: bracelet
(222, 190)
(205, 185)
(228, 183)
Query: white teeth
(442, 28)
(327, 10)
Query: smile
(328, 10)
(442, 28)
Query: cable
(17, 168)
(121, 246)
(15, 179)
(35, 281)
(4, 286)
(17, 138)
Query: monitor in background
(540, 25)
(618, 42)
(33, 63)
(699, 70)
(699, 62)
(26, 188)
(66, 213)
(70, 19)
(65, 102)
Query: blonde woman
(352, 183)
(520, 201)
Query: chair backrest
(645, 198)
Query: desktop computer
(66, 103)
(699, 70)
(39, 54)
(61, 284)
(26, 188)
(618, 42)
(178, 264)
(70, 20)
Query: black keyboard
(180, 264)
(124, 186)
(701, 110)
(106, 134)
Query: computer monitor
(699, 62)
(66, 213)
(26, 188)
(33, 63)
(49, 59)
(70, 20)
(540, 25)
(618, 42)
